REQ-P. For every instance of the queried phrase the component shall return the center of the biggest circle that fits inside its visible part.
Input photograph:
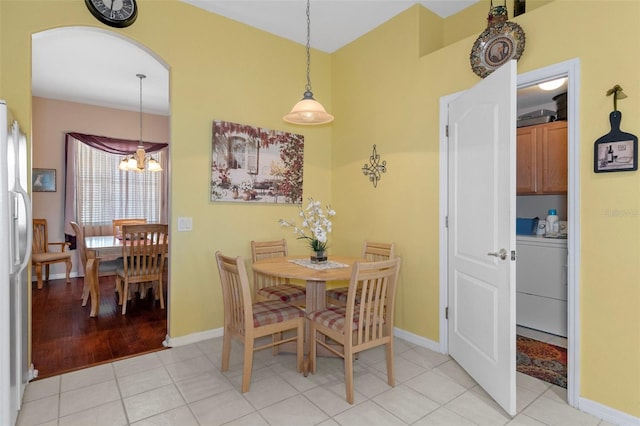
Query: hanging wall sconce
(375, 167)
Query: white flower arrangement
(316, 224)
(246, 186)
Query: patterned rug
(541, 360)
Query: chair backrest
(40, 237)
(119, 223)
(375, 252)
(236, 294)
(80, 245)
(377, 283)
(144, 249)
(265, 250)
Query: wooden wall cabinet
(542, 159)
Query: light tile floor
(184, 386)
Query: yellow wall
(382, 92)
(385, 95)
(219, 69)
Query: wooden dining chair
(372, 252)
(359, 326)
(246, 321)
(40, 254)
(119, 223)
(144, 251)
(267, 287)
(105, 268)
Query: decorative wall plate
(496, 45)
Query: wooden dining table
(316, 276)
(102, 247)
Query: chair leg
(275, 349)
(226, 350)
(390, 376)
(160, 294)
(119, 289)
(68, 262)
(312, 347)
(300, 345)
(85, 291)
(348, 373)
(46, 269)
(39, 275)
(247, 365)
(125, 296)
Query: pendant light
(308, 110)
(136, 162)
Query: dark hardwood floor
(64, 338)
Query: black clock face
(116, 13)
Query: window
(104, 192)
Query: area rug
(542, 360)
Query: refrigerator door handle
(27, 207)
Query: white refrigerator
(15, 252)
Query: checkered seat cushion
(274, 311)
(340, 295)
(287, 293)
(333, 317)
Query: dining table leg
(91, 274)
(316, 300)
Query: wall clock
(115, 13)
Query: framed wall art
(254, 165)
(616, 151)
(43, 180)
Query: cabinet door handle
(502, 254)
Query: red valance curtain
(115, 145)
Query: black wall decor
(617, 151)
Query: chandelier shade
(308, 111)
(140, 160)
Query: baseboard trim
(192, 338)
(417, 340)
(606, 413)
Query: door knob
(502, 254)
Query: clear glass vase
(319, 256)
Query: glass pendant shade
(308, 111)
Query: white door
(481, 233)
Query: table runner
(329, 264)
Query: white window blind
(105, 193)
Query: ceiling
(105, 72)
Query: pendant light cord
(141, 76)
(308, 86)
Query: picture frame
(617, 151)
(616, 156)
(255, 166)
(43, 180)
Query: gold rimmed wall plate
(496, 45)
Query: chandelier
(137, 161)
(308, 110)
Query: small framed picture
(615, 156)
(44, 180)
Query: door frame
(570, 69)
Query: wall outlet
(185, 224)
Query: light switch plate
(185, 224)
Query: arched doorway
(84, 80)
